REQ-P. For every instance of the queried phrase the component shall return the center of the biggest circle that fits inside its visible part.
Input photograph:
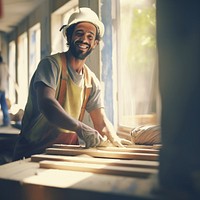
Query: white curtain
(137, 71)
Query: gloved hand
(90, 136)
(114, 141)
(119, 142)
(111, 138)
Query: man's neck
(75, 63)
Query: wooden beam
(91, 160)
(109, 148)
(103, 154)
(155, 146)
(137, 146)
(68, 146)
(99, 168)
(131, 150)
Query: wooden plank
(110, 148)
(67, 146)
(99, 168)
(155, 146)
(110, 162)
(137, 146)
(103, 154)
(131, 150)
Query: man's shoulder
(55, 59)
(89, 71)
(55, 56)
(90, 75)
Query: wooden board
(131, 150)
(155, 146)
(114, 149)
(103, 154)
(68, 146)
(98, 168)
(91, 160)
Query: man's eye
(79, 34)
(90, 37)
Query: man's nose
(84, 38)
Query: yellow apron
(74, 98)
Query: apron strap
(63, 87)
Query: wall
(43, 15)
(178, 38)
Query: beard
(76, 52)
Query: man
(3, 86)
(61, 89)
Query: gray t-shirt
(47, 72)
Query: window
(22, 70)
(136, 63)
(12, 73)
(65, 18)
(34, 49)
(59, 18)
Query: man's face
(83, 40)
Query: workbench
(72, 172)
(8, 137)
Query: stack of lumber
(73, 172)
(138, 161)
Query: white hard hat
(84, 15)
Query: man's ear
(96, 42)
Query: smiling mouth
(82, 46)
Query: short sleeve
(95, 99)
(47, 73)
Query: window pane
(65, 18)
(34, 49)
(12, 71)
(58, 19)
(22, 70)
(137, 80)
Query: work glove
(119, 142)
(90, 136)
(114, 141)
(112, 138)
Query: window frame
(121, 129)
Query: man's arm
(56, 115)
(52, 110)
(105, 128)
